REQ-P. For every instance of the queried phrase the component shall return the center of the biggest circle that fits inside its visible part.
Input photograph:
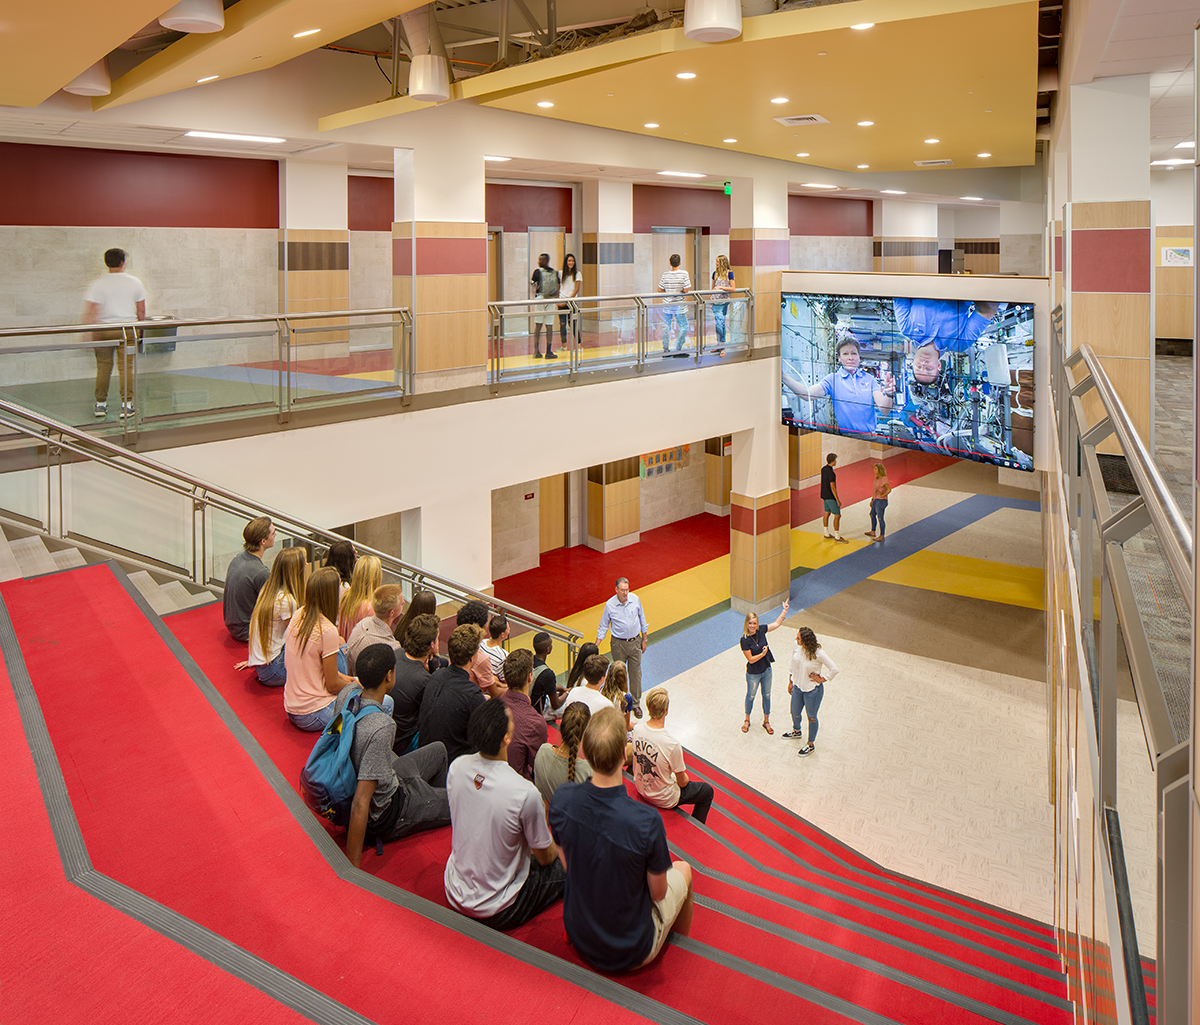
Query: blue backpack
(329, 779)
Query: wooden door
(664, 242)
(545, 240)
(552, 511)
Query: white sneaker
(840, 540)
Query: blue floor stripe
(688, 648)
(261, 376)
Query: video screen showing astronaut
(940, 375)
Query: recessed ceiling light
(498, 160)
(932, 141)
(983, 156)
(865, 124)
(1168, 169)
(987, 111)
(686, 74)
(545, 103)
(801, 154)
(1168, 162)
(306, 32)
(863, 25)
(729, 140)
(234, 137)
(682, 174)
(780, 99)
(816, 185)
(210, 78)
(1185, 145)
(893, 192)
(822, 53)
(258, 58)
(863, 167)
(650, 124)
(972, 199)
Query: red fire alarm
(529, 496)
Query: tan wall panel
(449, 229)
(622, 491)
(773, 497)
(402, 292)
(317, 284)
(1173, 231)
(982, 263)
(620, 519)
(1173, 280)
(1113, 324)
(712, 479)
(727, 479)
(1131, 379)
(446, 341)
(595, 509)
(741, 233)
(742, 500)
(810, 454)
(1173, 316)
(741, 579)
(772, 542)
(402, 229)
(767, 288)
(450, 292)
(1132, 214)
(741, 546)
(552, 513)
(774, 575)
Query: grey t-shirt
(371, 751)
(243, 580)
(550, 770)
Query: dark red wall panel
(520, 207)
(1111, 260)
(663, 207)
(820, 215)
(58, 185)
(370, 201)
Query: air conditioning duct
(96, 81)
(195, 16)
(429, 76)
(712, 21)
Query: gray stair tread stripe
(68, 558)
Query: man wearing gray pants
(624, 616)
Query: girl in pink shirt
(310, 653)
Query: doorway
(546, 240)
(685, 242)
(552, 511)
(495, 264)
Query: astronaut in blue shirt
(950, 325)
(855, 393)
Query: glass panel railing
(726, 323)
(341, 358)
(521, 335)
(609, 333)
(25, 495)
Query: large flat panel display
(941, 375)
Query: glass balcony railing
(607, 332)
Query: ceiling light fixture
(863, 167)
(198, 16)
(1185, 145)
(712, 21)
(96, 81)
(972, 199)
(545, 103)
(429, 78)
(210, 78)
(863, 25)
(729, 140)
(686, 75)
(306, 32)
(865, 124)
(780, 99)
(892, 192)
(816, 185)
(822, 53)
(1169, 162)
(802, 154)
(681, 174)
(650, 124)
(983, 156)
(931, 142)
(498, 160)
(234, 137)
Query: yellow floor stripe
(810, 549)
(969, 578)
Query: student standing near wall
(115, 298)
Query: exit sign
(729, 188)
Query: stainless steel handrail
(742, 293)
(89, 446)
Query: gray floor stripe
(867, 964)
(793, 986)
(1036, 930)
(583, 978)
(876, 934)
(78, 868)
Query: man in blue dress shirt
(854, 392)
(948, 324)
(624, 616)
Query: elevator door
(546, 240)
(552, 513)
(664, 242)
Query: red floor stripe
(856, 480)
(170, 805)
(569, 580)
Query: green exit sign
(729, 188)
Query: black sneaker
(101, 410)
(806, 750)
(637, 711)
(537, 354)
(794, 735)
(551, 355)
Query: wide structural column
(1108, 233)
(906, 237)
(314, 246)
(608, 267)
(760, 520)
(439, 260)
(759, 248)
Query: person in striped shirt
(674, 282)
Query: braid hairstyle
(574, 722)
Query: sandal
(767, 727)
(746, 726)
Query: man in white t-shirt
(115, 298)
(595, 668)
(658, 770)
(498, 822)
(674, 282)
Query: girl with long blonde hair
(310, 654)
(356, 602)
(281, 596)
(722, 281)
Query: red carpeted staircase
(180, 778)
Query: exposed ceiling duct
(195, 16)
(96, 81)
(429, 76)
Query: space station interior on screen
(942, 375)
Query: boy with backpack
(395, 796)
(545, 282)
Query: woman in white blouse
(806, 684)
(570, 285)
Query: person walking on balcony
(674, 282)
(115, 298)
(545, 284)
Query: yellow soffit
(258, 34)
(44, 46)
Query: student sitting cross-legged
(396, 796)
(498, 823)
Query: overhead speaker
(195, 16)
(429, 78)
(712, 21)
(96, 81)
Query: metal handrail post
(641, 330)
(574, 323)
(700, 326)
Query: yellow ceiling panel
(962, 73)
(43, 46)
(258, 34)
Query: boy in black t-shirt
(833, 505)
